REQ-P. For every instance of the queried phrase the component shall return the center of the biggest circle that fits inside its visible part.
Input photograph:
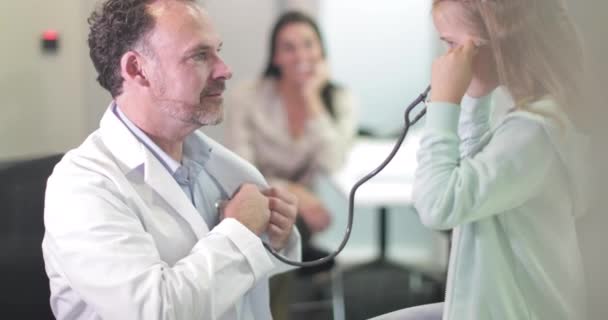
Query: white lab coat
(123, 241)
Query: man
(132, 228)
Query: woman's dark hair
(272, 71)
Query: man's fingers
(274, 230)
(282, 207)
(281, 194)
(280, 220)
(277, 235)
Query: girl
(510, 191)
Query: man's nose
(222, 70)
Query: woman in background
(294, 124)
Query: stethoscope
(351, 201)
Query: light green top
(511, 193)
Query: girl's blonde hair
(535, 46)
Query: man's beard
(202, 113)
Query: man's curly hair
(116, 27)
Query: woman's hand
(452, 74)
(312, 87)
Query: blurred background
(382, 50)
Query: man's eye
(200, 56)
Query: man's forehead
(182, 21)
(164, 10)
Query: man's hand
(311, 209)
(284, 209)
(250, 207)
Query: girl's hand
(452, 74)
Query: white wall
(312, 7)
(50, 103)
(383, 50)
(41, 96)
(593, 229)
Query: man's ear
(132, 68)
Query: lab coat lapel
(229, 176)
(132, 154)
(159, 179)
(228, 181)
(229, 170)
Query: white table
(391, 187)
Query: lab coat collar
(132, 155)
